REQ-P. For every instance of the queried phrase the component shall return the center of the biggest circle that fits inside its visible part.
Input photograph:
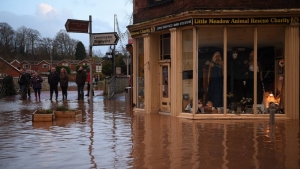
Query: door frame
(164, 102)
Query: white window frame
(45, 66)
(25, 66)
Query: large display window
(140, 73)
(187, 70)
(270, 56)
(210, 70)
(240, 63)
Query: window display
(187, 71)
(140, 74)
(250, 79)
(215, 80)
(210, 70)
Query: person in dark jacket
(53, 80)
(64, 83)
(28, 85)
(22, 83)
(36, 83)
(80, 81)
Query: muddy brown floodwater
(108, 136)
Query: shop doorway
(165, 87)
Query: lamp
(270, 99)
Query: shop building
(203, 60)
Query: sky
(49, 16)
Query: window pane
(140, 73)
(187, 70)
(240, 84)
(210, 70)
(165, 81)
(271, 58)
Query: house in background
(43, 67)
(7, 69)
(71, 63)
(15, 63)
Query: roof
(9, 64)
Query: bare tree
(20, 37)
(45, 48)
(33, 37)
(6, 36)
(64, 46)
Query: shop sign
(140, 32)
(174, 25)
(270, 20)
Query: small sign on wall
(118, 70)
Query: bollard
(272, 110)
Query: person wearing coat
(64, 83)
(36, 83)
(53, 80)
(80, 81)
(22, 83)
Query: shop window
(140, 73)
(240, 82)
(165, 46)
(187, 71)
(210, 70)
(271, 58)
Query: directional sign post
(78, 26)
(110, 38)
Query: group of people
(27, 81)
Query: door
(165, 87)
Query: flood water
(108, 136)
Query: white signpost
(109, 38)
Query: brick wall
(144, 12)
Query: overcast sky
(49, 16)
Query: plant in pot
(63, 111)
(43, 115)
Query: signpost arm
(90, 55)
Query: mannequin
(236, 76)
(205, 79)
(215, 80)
(250, 80)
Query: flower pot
(37, 116)
(68, 114)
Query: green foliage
(44, 111)
(80, 51)
(9, 86)
(120, 63)
(107, 68)
(58, 68)
(63, 108)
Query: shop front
(230, 66)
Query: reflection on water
(109, 137)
